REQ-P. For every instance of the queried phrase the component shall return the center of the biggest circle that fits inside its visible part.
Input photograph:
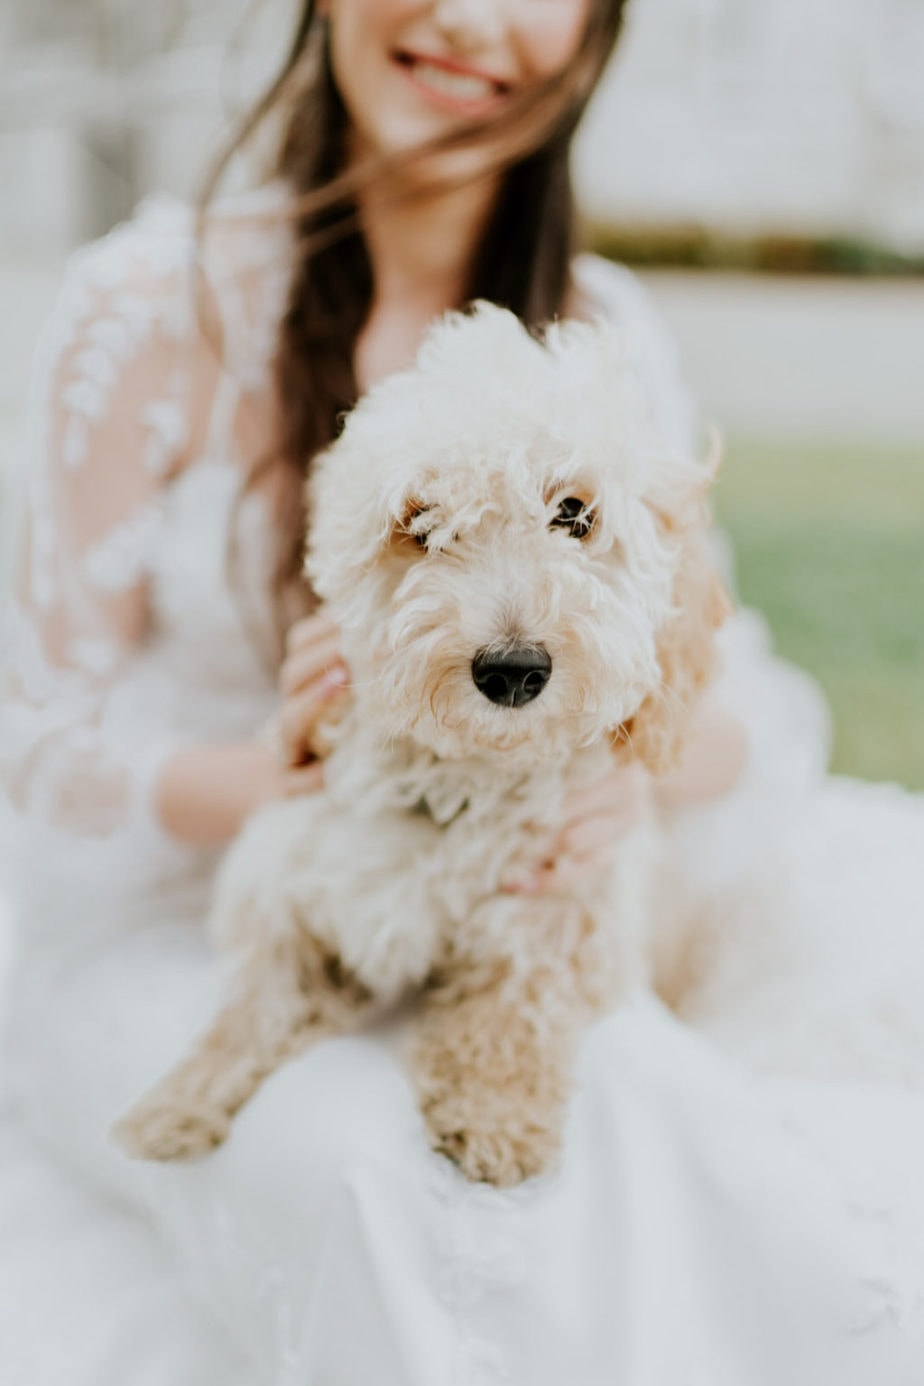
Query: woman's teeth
(464, 86)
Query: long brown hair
(521, 261)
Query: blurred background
(760, 161)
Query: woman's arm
(123, 380)
(204, 794)
(99, 453)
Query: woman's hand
(599, 814)
(596, 816)
(312, 676)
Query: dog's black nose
(513, 676)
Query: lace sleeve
(108, 424)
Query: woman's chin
(403, 137)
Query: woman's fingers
(592, 838)
(623, 787)
(308, 632)
(312, 675)
(577, 852)
(553, 878)
(596, 816)
(299, 714)
(304, 779)
(309, 661)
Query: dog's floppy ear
(686, 648)
(657, 733)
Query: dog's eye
(575, 516)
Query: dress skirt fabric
(708, 1224)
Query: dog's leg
(493, 1062)
(286, 998)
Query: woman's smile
(451, 84)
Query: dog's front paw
(162, 1128)
(500, 1148)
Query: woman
(703, 1226)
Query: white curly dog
(517, 568)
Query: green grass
(830, 545)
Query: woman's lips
(450, 84)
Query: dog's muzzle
(513, 676)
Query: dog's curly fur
(439, 532)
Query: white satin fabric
(739, 1201)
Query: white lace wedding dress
(741, 1199)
